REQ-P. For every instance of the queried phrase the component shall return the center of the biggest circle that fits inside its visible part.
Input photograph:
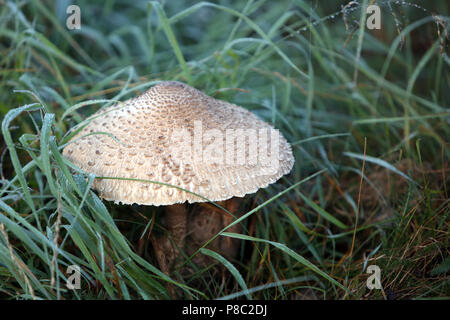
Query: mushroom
(176, 135)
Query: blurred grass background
(367, 113)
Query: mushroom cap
(176, 135)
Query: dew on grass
(352, 6)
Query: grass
(365, 110)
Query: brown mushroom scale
(155, 137)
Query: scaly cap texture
(155, 137)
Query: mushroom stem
(176, 217)
(230, 246)
(163, 259)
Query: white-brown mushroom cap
(147, 146)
